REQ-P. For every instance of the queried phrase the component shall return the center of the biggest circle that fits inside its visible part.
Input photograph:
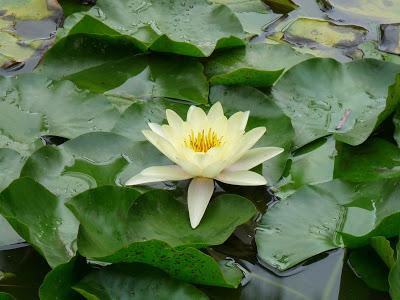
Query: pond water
(325, 276)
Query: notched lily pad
(258, 65)
(137, 228)
(322, 97)
(192, 28)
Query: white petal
(254, 157)
(196, 117)
(174, 120)
(215, 111)
(159, 173)
(239, 120)
(156, 128)
(199, 195)
(248, 178)
(161, 144)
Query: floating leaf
(263, 112)
(322, 97)
(89, 161)
(192, 28)
(138, 228)
(60, 280)
(135, 281)
(89, 60)
(342, 214)
(317, 33)
(373, 160)
(394, 276)
(370, 268)
(6, 296)
(41, 219)
(312, 164)
(258, 65)
(34, 106)
(382, 247)
(282, 6)
(253, 14)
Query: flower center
(203, 140)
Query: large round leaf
(258, 65)
(89, 60)
(135, 281)
(263, 112)
(193, 28)
(91, 160)
(139, 228)
(373, 160)
(342, 214)
(312, 164)
(34, 106)
(394, 277)
(41, 219)
(322, 96)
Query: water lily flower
(204, 148)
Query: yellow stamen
(203, 141)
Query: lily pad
(88, 60)
(29, 9)
(343, 214)
(370, 268)
(394, 276)
(322, 97)
(135, 281)
(33, 106)
(263, 112)
(321, 33)
(89, 161)
(312, 164)
(60, 280)
(138, 228)
(192, 28)
(41, 219)
(258, 65)
(396, 121)
(373, 160)
(253, 14)
(282, 6)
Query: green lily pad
(42, 107)
(368, 266)
(282, 6)
(253, 14)
(322, 33)
(192, 28)
(88, 60)
(396, 121)
(41, 219)
(394, 276)
(138, 228)
(6, 296)
(29, 9)
(370, 50)
(135, 281)
(89, 161)
(312, 164)
(263, 112)
(382, 247)
(258, 65)
(60, 280)
(343, 214)
(373, 160)
(322, 97)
